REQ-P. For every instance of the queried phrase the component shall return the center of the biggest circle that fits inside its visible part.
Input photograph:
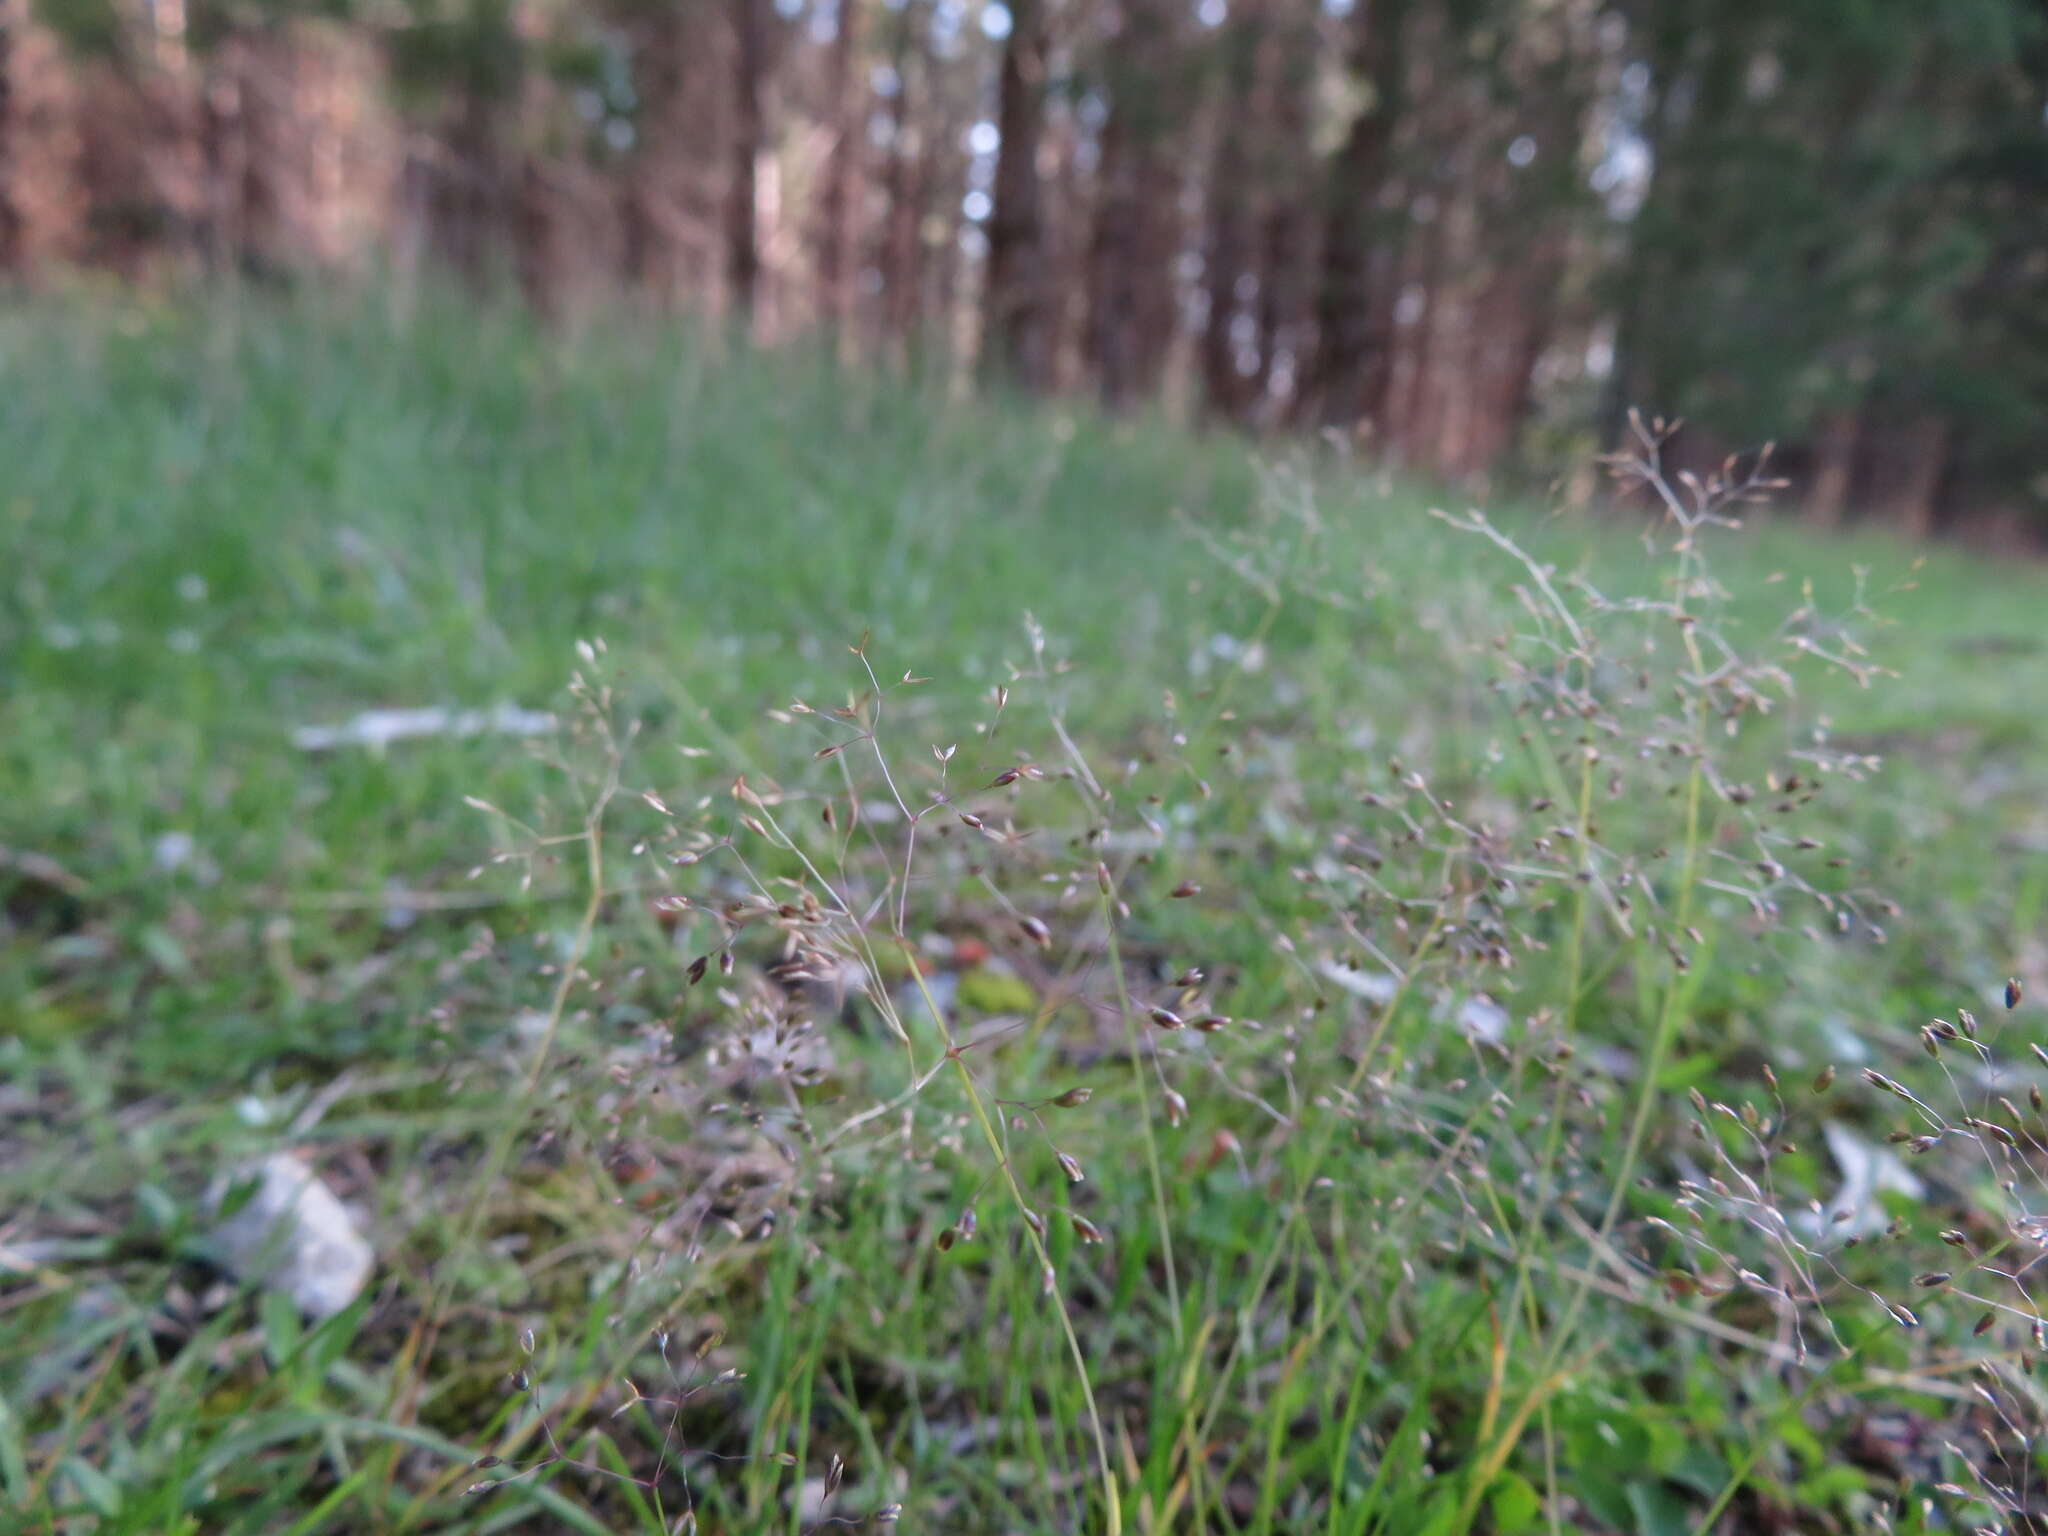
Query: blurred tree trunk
(1016, 334)
(475, 193)
(1923, 460)
(650, 209)
(1281, 131)
(1835, 444)
(743, 248)
(842, 172)
(224, 147)
(13, 224)
(1232, 208)
(1132, 310)
(1347, 382)
(903, 183)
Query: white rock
(291, 1234)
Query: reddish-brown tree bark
(842, 170)
(742, 235)
(1016, 332)
(13, 15)
(1348, 376)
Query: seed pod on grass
(1991, 1128)
(1071, 1167)
(1085, 1229)
(2013, 992)
(1931, 1279)
(1165, 1018)
(1984, 1325)
(1073, 1098)
(1176, 1107)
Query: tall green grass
(1367, 1278)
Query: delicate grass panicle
(1456, 1157)
(1423, 1071)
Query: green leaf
(281, 1331)
(1515, 1503)
(13, 1461)
(1658, 1511)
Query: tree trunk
(1286, 286)
(225, 149)
(1834, 468)
(842, 168)
(1232, 210)
(13, 16)
(902, 235)
(1923, 464)
(1348, 381)
(655, 195)
(1131, 301)
(1016, 336)
(742, 242)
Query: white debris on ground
(378, 728)
(1483, 1019)
(1373, 986)
(1868, 1171)
(290, 1233)
(1478, 1016)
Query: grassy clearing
(669, 1250)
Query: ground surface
(1374, 1275)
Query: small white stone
(293, 1235)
